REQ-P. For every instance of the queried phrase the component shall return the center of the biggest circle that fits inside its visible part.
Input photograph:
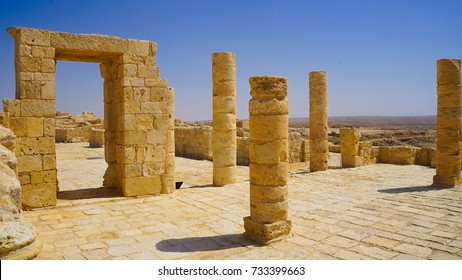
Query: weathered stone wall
(73, 135)
(138, 112)
(73, 128)
(334, 148)
(296, 147)
(242, 150)
(194, 142)
(349, 146)
(368, 153)
(426, 157)
(397, 155)
(96, 138)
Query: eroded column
(319, 145)
(449, 120)
(349, 147)
(269, 164)
(224, 118)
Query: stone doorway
(138, 112)
(79, 118)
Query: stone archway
(138, 112)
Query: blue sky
(379, 55)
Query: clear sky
(379, 55)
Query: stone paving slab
(380, 211)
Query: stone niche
(138, 112)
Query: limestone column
(269, 163)
(448, 123)
(224, 118)
(319, 145)
(349, 147)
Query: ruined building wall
(368, 152)
(193, 142)
(138, 112)
(196, 142)
(242, 145)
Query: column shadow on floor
(102, 192)
(413, 189)
(201, 186)
(204, 244)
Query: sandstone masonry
(319, 145)
(449, 123)
(138, 112)
(224, 118)
(269, 165)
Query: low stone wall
(296, 147)
(96, 138)
(193, 142)
(242, 150)
(397, 155)
(196, 142)
(426, 157)
(368, 152)
(334, 148)
(72, 135)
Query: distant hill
(390, 122)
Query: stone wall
(196, 142)
(72, 128)
(298, 147)
(193, 142)
(397, 155)
(138, 112)
(242, 150)
(368, 152)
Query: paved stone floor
(373, 212)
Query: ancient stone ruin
(269, 165)
(141, 136)
(18, 237)
(319, 146)
(224, 118)
(138, 112)
(449, 123)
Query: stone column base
(266, 233)
(18, 241)
(446, 181)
